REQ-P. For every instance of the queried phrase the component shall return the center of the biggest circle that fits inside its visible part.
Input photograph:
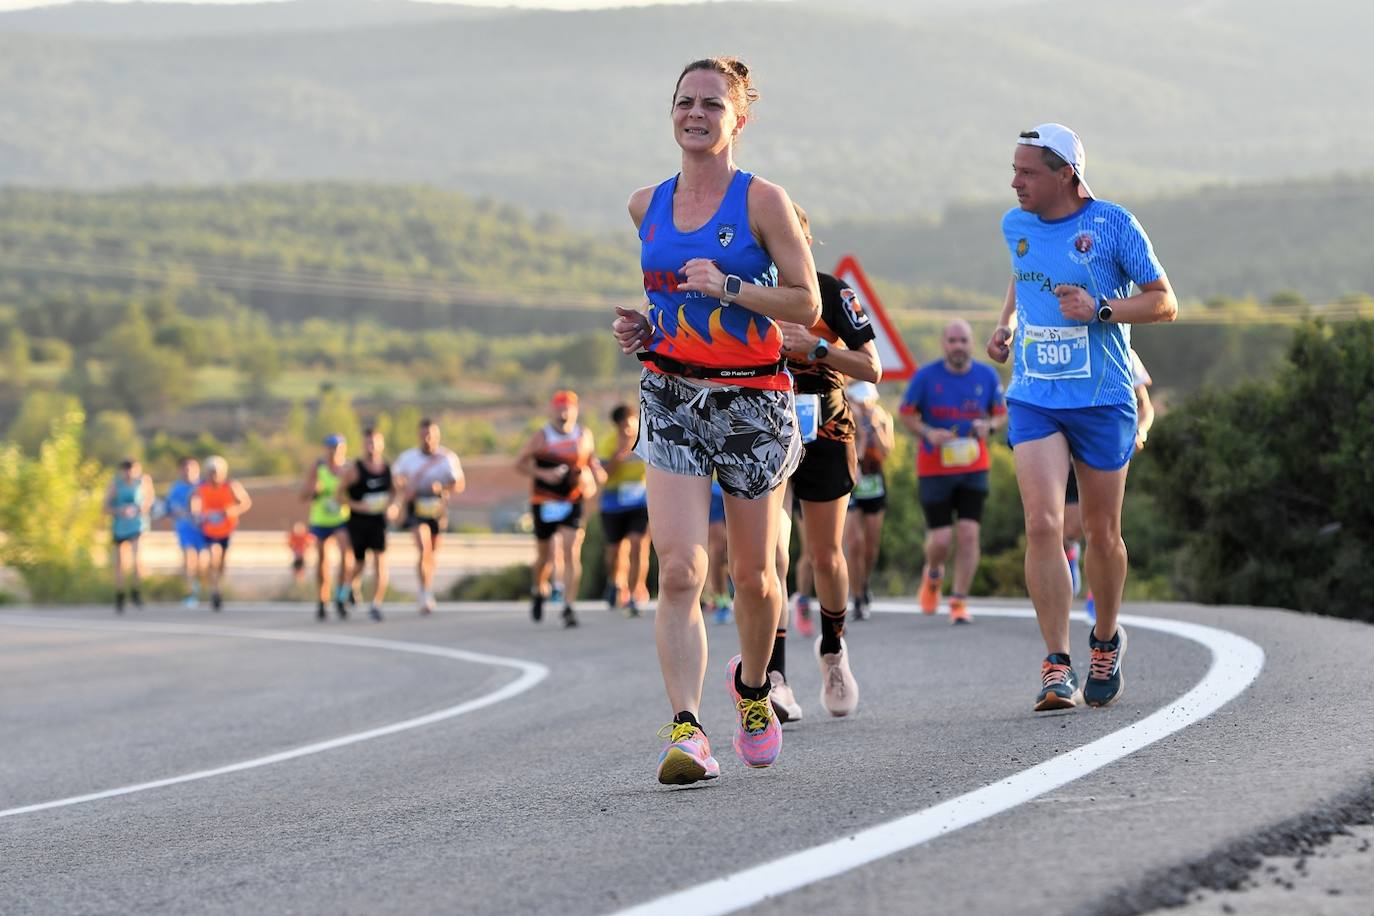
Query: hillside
(1234, 241)
(863, 114)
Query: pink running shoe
(758, 740)
(839, 690)
(687, 757)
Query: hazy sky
(544, 4)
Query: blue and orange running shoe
(687, 757)
(758, 740)
(1105, 680)
(1059, 685)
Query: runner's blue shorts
(189, 536)
(1100, 437)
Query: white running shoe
(431, 603)
(784, 701)
(190, 602)
(839, 690)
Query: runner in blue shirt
(181, 506)
(1066, 327)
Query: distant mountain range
(876, 110)
(142, 20)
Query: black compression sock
(778, 660)
(832, 628)
(750, 693)
(687, 717)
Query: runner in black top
(821, 359)
(368, 489)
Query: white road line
(531, 673)
(1236, 662)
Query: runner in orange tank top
(558, 459)
(218, 503)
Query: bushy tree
(111, 437)
(1268, 484)
(37, 414)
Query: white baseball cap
(1065, 144)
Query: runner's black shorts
(543, 530)
(945, 495)
(619, 525)
(414, 521)
(869, 506)
(367, 532)
(826, 471)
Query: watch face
(733, 285)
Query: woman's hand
(631, 329)
(703, 276)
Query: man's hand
(797, 341)
(1075, 303)
(999, 344)
(981, 428)
(938, 435)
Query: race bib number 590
(1056, 353)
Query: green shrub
(50, 513)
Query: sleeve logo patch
(853, 308)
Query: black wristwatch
(732, 287)
(1104, 311)
(819, 351)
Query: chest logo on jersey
(1022, 246)
(1084, 246)
(725, 234)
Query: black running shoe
(859, 611)
(119, 602)
(1105, 680)
(341, 609)
(216, 601)
(352, 596)
(537, 608)
(609, 595)
(136, 598)
(320, 613)
(375, 613)
(569, 617)
(631, 610)
(1059, 688)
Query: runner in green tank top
(329, 524)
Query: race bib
(870, 486)
(959, 453)
(632, 493)
(331, 506)
(552, 513)
(428, 507)
(376, 503)
(808, 416)
(1056, 353)
(214, 518)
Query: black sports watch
(732, 287)
(1104, 311)
(819, 351)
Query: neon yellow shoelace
(755, 714)
(677, 731)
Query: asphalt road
(544, 800)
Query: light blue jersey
(1061, 363)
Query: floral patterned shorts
(748, 436)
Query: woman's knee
(682, 572)
(827, 561)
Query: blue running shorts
(1100, 437)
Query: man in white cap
(1066, 326)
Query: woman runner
(724, 259)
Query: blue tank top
(126, 495)
(694, 327)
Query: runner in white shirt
(426, 477)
